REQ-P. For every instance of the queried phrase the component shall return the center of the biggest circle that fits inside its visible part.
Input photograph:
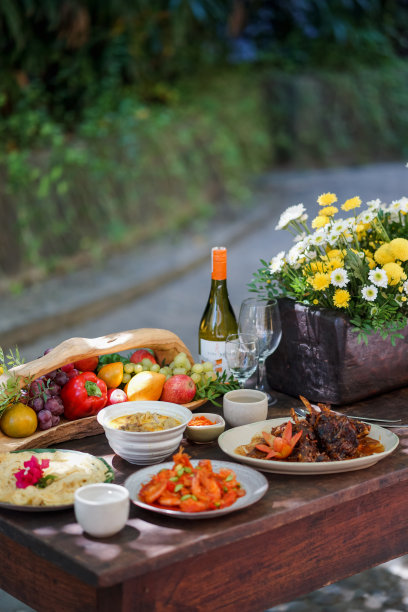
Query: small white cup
(102, 509)
(244, 406)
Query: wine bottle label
(214, 351)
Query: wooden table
(305, 533)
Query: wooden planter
(320, 358)
(165, 344)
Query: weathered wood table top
(307, 531)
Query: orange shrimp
(169, 499)
(193, 505)
(152, 491)
(205, 487)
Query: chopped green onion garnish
(184, 497)
(178, 487)
(229, 477)
(173, 479)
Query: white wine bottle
(218, 319)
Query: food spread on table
(323, 435)
(48, 478)
(191, 489)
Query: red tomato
(87, 365)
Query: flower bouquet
(346, 316)
(357, 265)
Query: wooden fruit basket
(164, 343)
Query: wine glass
(241, 353)
(261, 317)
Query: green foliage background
(121, 120)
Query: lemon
(18, 421)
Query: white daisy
(339, 277)
(338, 226)
(369, 293)
(295, 253)
(378, 277)
(367, 216)
(374, 204)
(405, 286)
(277, 262)
(299, 237)
(319, 238)
(293, 213)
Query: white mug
(102, 509)
(244, 406)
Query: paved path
(167, 286)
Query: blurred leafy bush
(121, 119)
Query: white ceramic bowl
(144, 448)
(102, 509)
(203, 434)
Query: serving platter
(165, 344)
(254, 483)
(238, 436)
(25, 508)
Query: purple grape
(61, 378)
(52, 374)
(55, 420)
(54, 405)
(44, 419)
(35, 388)
(54, 389)
(37, 404)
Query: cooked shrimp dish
(191, 489)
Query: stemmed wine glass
(261, 318)
(242, 354)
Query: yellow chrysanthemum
(329, 211)
(384, 254)
(315, 301)
(333, 264)
(371, 263)
(317, 266)
(326, 199)
(399, 248)
(394, 272)
(341, 298)
(334, 254)
(320, 221)
(352, 203)
(320, 281)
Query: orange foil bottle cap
(219, 263)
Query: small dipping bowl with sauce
(204, 427)
(144, 447)
(101, 509)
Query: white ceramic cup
(102, 509)
(244, 406)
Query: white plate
(109, 477)
(231, 439)
(254, 483)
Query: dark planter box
(320, 358)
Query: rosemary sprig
(212, 389)
(10, 391)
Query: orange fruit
(111, 374)
(18, 421)
(145, 386)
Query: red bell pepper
(83, 396)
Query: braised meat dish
(323, 435)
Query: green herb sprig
(10, 391)
(212, 389)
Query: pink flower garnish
(32, 473)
